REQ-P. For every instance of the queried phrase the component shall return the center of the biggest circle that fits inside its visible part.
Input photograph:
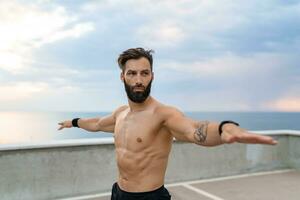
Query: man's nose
(138, 80)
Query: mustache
(139, 87)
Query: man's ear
(122, 76)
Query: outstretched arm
(105, 123)
(207, 133)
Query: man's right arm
(106, 123)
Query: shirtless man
(144, 130)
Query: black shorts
(159, 194)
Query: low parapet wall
(79, 167)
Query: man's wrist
(75, 122)
(226, 125)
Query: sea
(34, 127)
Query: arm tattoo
(201, 132)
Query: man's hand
(232, 133)
(65, 124)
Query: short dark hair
(134, 53)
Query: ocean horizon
(28, 127)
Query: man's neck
(135, 107)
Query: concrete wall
(294, 152)
(49, 173)
(189, 162)
(82, 167)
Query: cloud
(11, 61)
(33, 95)
(230, 65)
(74, 32)
(213, 100)
(288, 101)
(21, 90)
(26, 27)
(206, 46)
(233, 82)
(286, 104)
(55, 86)
(158, 35)
(208, 27)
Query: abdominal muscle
(141, 171)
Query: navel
(138, 139)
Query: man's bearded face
(137, 96)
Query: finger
(257, 139)
(60, 123)
(266, 140)
(60, 128)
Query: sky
(210, 55)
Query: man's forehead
(138, 64)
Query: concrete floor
(277, 185)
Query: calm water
(26, 127)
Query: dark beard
(137, 97)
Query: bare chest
(136, 131)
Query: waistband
(140, 193)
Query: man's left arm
(206, 133)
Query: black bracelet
(75, 122)
(226, 122)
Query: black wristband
(75, 122)
(226, 122)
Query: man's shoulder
(119, 110)
(167, 110)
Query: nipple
(138, 139)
